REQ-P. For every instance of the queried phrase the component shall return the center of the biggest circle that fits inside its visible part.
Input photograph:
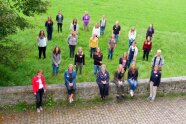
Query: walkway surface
(136, 111)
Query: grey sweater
(56, 59)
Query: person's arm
(44, 83)
(66, 79)
(98, 79)
(152, 63)
(120, 60)
(99, 32)
(53, 60)
(129, 74)
(59, 59)
(162, 61)
(150, 47)
(74, 77)
(113, 29)
(108, 77)
(57, 18)
(83, 59)
(34, 86)
(136, 76)
(62, 17)
(159, 79)
(143, 45)
(119, 30)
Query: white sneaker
(38, 110)
(70, 100)
(41, 108)
(131, 93)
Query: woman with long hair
(132, 78)
(79, 60)
(49, 28)
(56, 60)
(98, 56)
(74, 27)
(42, 43)
(123, 60)
(72, 41)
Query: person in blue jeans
(116, 30)
(132, 54)
(111, 47)
(132, 78)
(56, 60)
(98, 56)
(102, 25)
(70, 82)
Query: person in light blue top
(70, 82)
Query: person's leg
(53, 69)
(37, 100)
(98, 68)
(70, 47)
(77, 66)
(95, 69)
(151, 90)
(130, 83)
(58, 27)
(154, 89)
(111, 53)
(129, 61)
(44, 52)
(106, 90)
(40, 51)
(81, 66)
(61, 27)
(91, 50)
(101, 90)
(134, 84)
(51, 35)
(57, 70)
(108, 53)
(41, 97)
(73, 50)
(116, 38)
(117, 88)
(147, 55)
(48, 35)
(144, 54)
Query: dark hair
(96, 53)
(40, 33)
(74, 21)
(49, 18)
(54, 51)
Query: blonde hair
(39, 71)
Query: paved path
(162, 111)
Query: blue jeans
(133, 84)
(96, 69)
(55, 69)
(110, 53)
(92, 50)
(102, 29)
(116, 37)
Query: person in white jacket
(96, 30)
(132, 36)
(74, 27)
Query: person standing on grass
(86, 19)
(158, 60)
(147, 45)
(123, 61)
(111, 46)
(74, 27)
(132, 78)
(72, 41)
(39, 87)
(49, 28)
(59, 19)
(96, 30)
(150, 31)
(79, 60)
(93, 44)
(42, 43)
(102, 25)
(132, 36)
(98, 56)
(56, 60)
(155, 80)
(119, 81)
(103, 82)
(70, 82)
(132, 53)
(116, 30)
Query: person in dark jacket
(147, 46)
(49, 28)
(155, 80)
(150, 31)
(123, 60)
(103, 82)
(119, 81)
(70, 82)
(132, 78)
(59, 19)
(98, 56)
(116, 31)
(79, 60)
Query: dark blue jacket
(131, 75)
(155, 78)
(102, 77)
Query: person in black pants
(79, 60)
(49, 28)
(147, 45)
(42, 42)
(59, 19)
(150, 32)
(103, 82)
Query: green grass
(168, 17)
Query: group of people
(127, 63)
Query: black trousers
(146, 54)
(72, 50)
(42, 50)
(49, 34)
(104, 89)
(39, 96)
(59, 27)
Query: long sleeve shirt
(56, 58)
(93, 43)
(155, 78)
(147, 45)
(131, 75)
(79, 59)
(42, 41)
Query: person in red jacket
(147, 48)
(39, 87)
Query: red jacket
(35, 83)
(147, 45)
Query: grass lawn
(168, 17)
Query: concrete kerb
(87, 90)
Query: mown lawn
(168, 17)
